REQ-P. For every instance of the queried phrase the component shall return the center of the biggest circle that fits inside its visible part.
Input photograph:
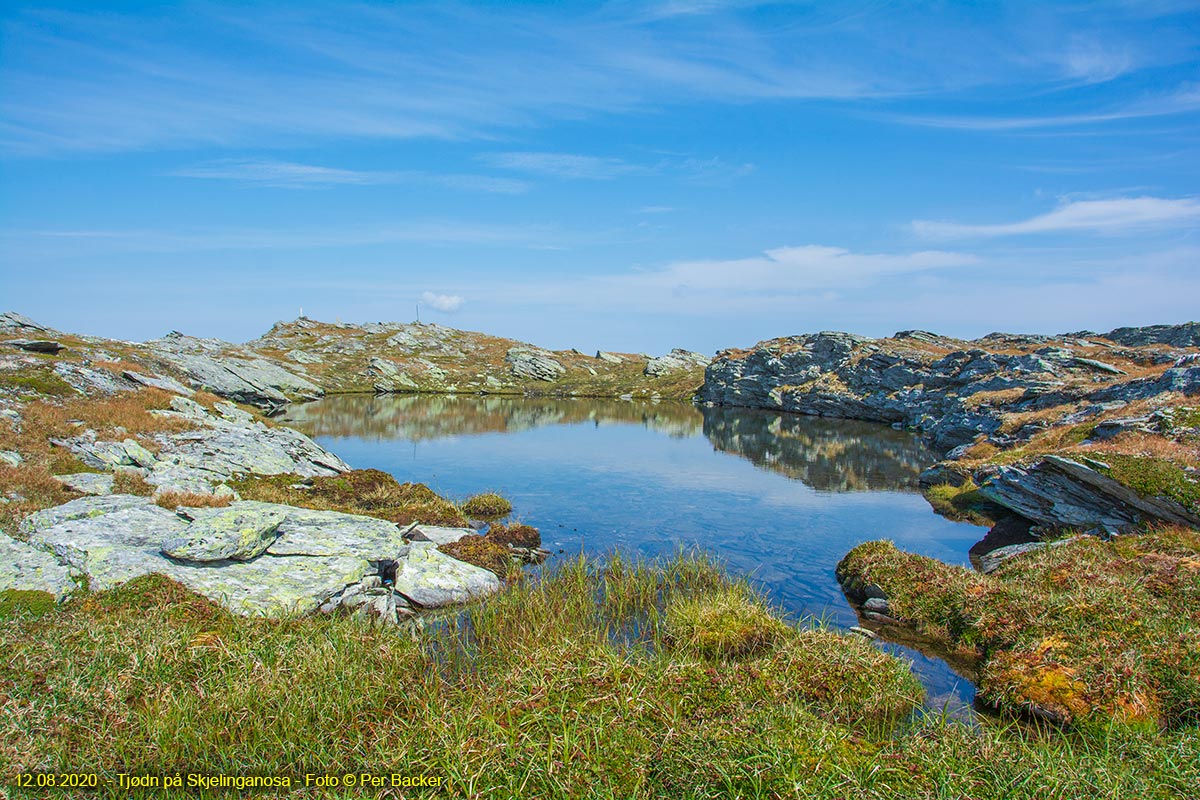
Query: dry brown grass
(1017, 420)
(172, 500)
(998, 397)
(1136, 443)
(128, 481)
(28, 488)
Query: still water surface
(778, 497)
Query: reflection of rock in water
(416, 417)
(827, 454)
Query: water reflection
(776, 497)
(830, 455)
(418, 417)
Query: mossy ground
(1087, 632)
(565, 686)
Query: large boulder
(432, 579)
(529, 362)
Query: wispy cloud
(1184, 99)
(290, 175)
(447, 303)
(1121, 215)
(229, 77)
(564, 165)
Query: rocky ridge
(1001, 407)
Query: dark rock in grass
(36, 345)
(876, 604)
(1185, 335)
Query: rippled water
(776, 496)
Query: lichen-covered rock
(528, 362)
(236, 533)
(611, 358)
(10, 458)
(86, 380)
(249, 380)
(94, 483)
(432, 579)
(675, 361)
(25, 567)
(1185, 335)
(438, 534)
(108, 455)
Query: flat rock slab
(158, 382)
(432, 579)
(95, 483)
(439, 534)
(24, 566)
(240, 534)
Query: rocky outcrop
(952, 391)
(675, 361)
(254, 558)
(1057, 491)
(257, 381)
(1185, 335)
(528, 362)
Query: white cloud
(1120, 215)
(443, 302)
(564, 165)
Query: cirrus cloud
(1119, 215)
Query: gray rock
(27, 568)
(438, 534)
(35, 345)
(528, 362)
(236, 533)
(254, 381)
(674, 361)
(158, 382)
(1099, 366)
(1058, 491)
(107, 455)
(1185, 335)
(86, 380)
(12, 321)
(11, 458)
(877, 604)
(432, 579)
(611, 358)
(302, 357)
(991, 561)
(93, 483)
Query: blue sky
(627, 176)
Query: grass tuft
(487, 506)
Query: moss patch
(514, 534)
(482, 553)
(25, 603)
(486, 506)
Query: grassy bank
(1085, 632)
(598, 680)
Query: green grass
(569, 685)
(37, 379)
(1090, 633)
